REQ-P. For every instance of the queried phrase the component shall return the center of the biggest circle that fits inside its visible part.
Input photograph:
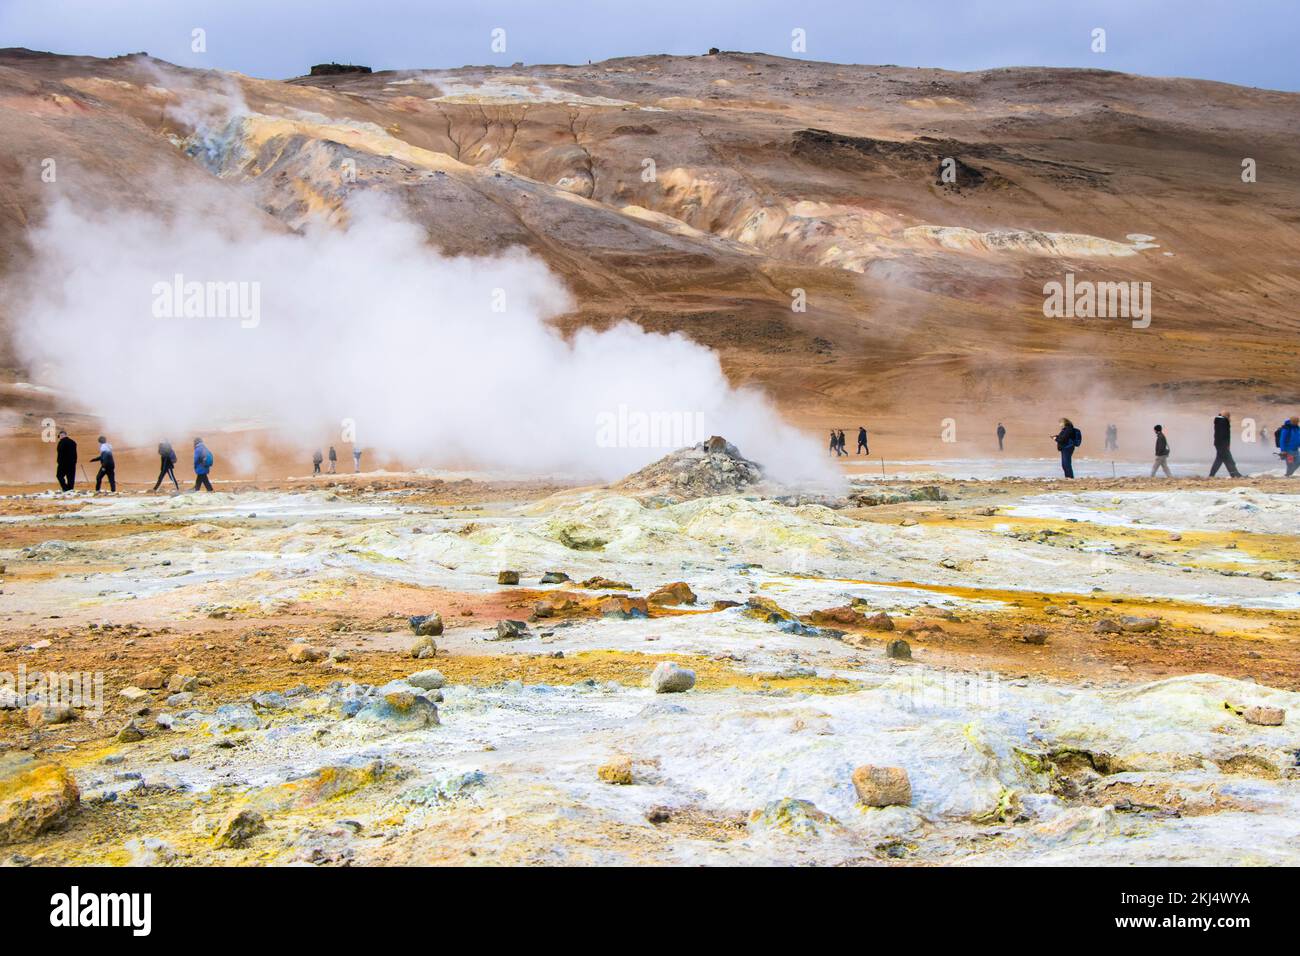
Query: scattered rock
(424, 648)
(180, 753)
(618, 772)
(679, 592)
(1107, 625)
(554, 577)
(427, 680)
(659, 814)
(899, 650)
(34, 796)
(669, 678)
(238, 828)
(181, 683)
(882, 786)
(426, 625)
(304, 654)
(879, 622)
(400, 710)
(133, 693)
(1139, 625)
(843, 616)
(599, 583)
(507, 577)
(1034, 634)
(150, 679)
(1265, 716)
(511, 631)
(40, 715)
(622, 607)
(130, 734)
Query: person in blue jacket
(202, 465)
(1067, 440)
(1288, 443)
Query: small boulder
(510, 631)
(622, 607)
(34, 796)
(1107, 625)
(130, 734)
(679, 592)
(238, 828)
(882, 786)
(507, 577)
(554, 577)
(150, 680)
(669, 678)
(618, 772)
(304, 654)
(1033, 634)
(41, 715)
(1264, 716)
(1139, 625)
(879, 622)
(426, 625)
(427, 680)
(899, 650)
(400, 710)
(182, 683)
(843, 616)
(424, 648)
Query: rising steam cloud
(367, 324)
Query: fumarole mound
(713, 467)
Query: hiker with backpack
(166, 465)
(202, 465)
(1288, 443)
(334, 459)
(1067, 440)
(1222, 443)
(1162, 453)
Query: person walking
(844, 444)
(1288, 443)
(356, 459)
(107, 466)
(1067, 440)
(166, 465)
(862, 441)
(835, 442)
(334, 460)
(1112, 438)
(1002, 433)
(202, 465)
(65, 462)
(316, 459)
(1222, 443)
(1162, 453)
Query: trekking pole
(85, 477)
(1112, 468)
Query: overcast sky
(1251, 42)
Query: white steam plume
(369, 324)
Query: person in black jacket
(862, 441)
(1002, 433)
(334, 459)
(316, 459)
(1162, 453)
(1222, 439)
(1067, 440)
(166, 465)
(65, 462)
(107, 467)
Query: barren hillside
(696, 193)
